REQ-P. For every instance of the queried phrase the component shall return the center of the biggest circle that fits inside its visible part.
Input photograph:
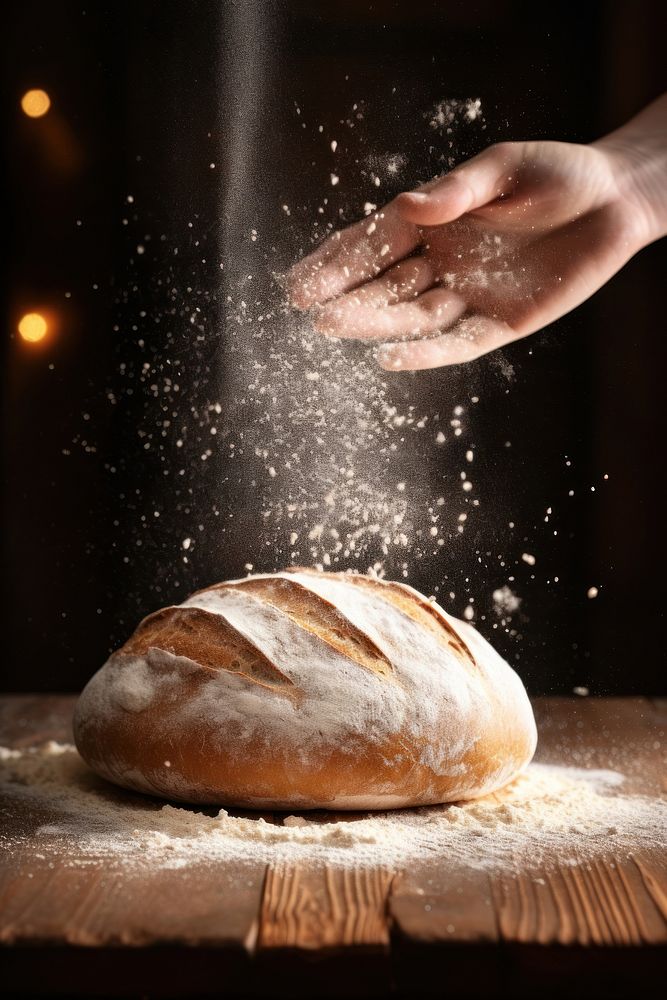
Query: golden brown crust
(388, 775)
(418, 608)
(205, 639)
(319, 616)
(267, 695)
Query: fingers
(469, 339)
(401, 283)
(434, 310)
(467, 187)
(365, 250)
(349, 258)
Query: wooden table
(595, 929)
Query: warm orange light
(35, 103)
(33, 327)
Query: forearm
(639, 153)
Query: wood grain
(605, 901)
(316, 908)
(98, 905)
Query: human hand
(496, 249)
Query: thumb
(469, 186)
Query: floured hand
(498, 248)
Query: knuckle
(503, 148)
(506, 152)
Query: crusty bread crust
(304, 690)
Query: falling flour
(550, 812)
(337, 460)
(340, 460)
(263, 444)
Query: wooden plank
(606, 901)
(444, 932)
(325, 931)
(99, 905)
(653, 873)
(318, 908)
(434, 903)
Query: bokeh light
(35, 103)
(33, 327)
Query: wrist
(638, 181)
(637, 158)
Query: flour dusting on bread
(306, 689)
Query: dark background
(145, 96)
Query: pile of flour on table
(549, 812)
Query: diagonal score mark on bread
(424, 612)
(314, 613)
(411, 603)
(209, 640)
(229, 698)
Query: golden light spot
(33, 327)
(35, 103)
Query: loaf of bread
(305, 690)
